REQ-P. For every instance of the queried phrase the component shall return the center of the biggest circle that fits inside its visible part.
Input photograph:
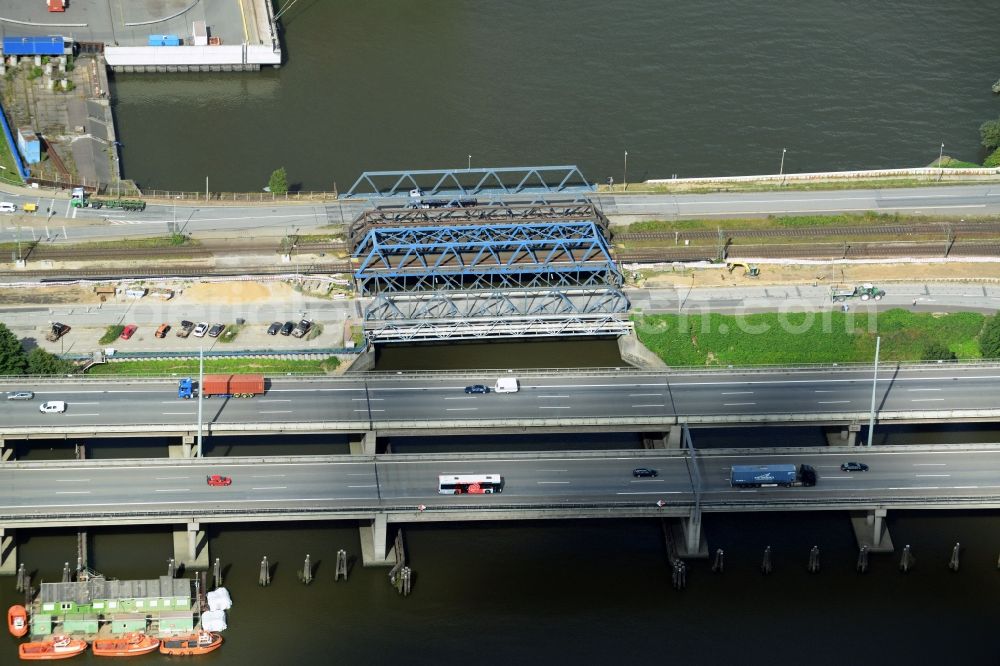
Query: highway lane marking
(267, 476)
(171, 478)
(270, 488)
(551, 470)
(260, 500)
(75, 414)
(737, 404)
(737, 393)
(461, 409)
(369, 410)
(285, 411)
(552, 396)
(86, 403)
(652, 492)
(370, 485)
(72, 480)
(274, 400)
(927, 400)
(647, 405)
(822, 391)
(963, 487)
(554, 407)
(645, 395)
(461, 397)
(930, 464)
(924, 389)
(359, 473)
(176, 413)
(929, 475)
(72, 492)
(552, 482)
(832, 402)
(371, 399)
(648, 481)
(172, 490)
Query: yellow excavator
(749, 270)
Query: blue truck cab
(185, 388)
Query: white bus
(469, 484)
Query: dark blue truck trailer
(759, 476)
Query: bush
(993, 160)
(279, 182)
(936, 351)
(989, 339)
(111, 334)
(990, 133)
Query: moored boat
(200, 643)
(125, 646)
(17, 620)
(60, 647)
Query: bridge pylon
(870, 530)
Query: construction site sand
(774, 274)
(238, 292)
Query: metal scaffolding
(470, 182)
(507, 255)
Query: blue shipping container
(757, 475)
(29, 46)
(164, 40)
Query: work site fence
(238, 197)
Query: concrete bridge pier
(364, 444)
(870, 530)
(690, 540)
(375, 550)
(185, 449)
(671, 439)
(191, 547)
(846, 436)
(6, 453)
(8, 552)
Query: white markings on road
(551, 470)
(651, 492)
(368, 410)
(645, 395)
(822, 391)
(72, 492)
(737, 404)
(832, 402)
(552, 396)
(270, 488)
(370, 485)
(176, 414)
(647, 481)
(172, 490)
(930, 464)
(171, 478)
(86, 403)
(461, 409)
(461, 397)
(927, 400)
(647, 405)
(924, 389)
(75, 414)
(285, 411)
(72, 480)
(929, 475)
(274, 400)
(267, 476)
(553, 407)
(549, 483)
(737, 393)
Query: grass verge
(188, 367)
(111, 334)
(806, 337)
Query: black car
(853, 467)
(644, 472)
(216, 330)
(477, 388)
(274, 328)
(287, 328)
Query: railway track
(818, 251)
(39, 252)
(958, 229)
(168, 272)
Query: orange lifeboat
(200, 643)
(125, 646)
(60, 647)
(17, 620)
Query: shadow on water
(582, 353)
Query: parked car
(477, 388)
(287, 328)
(302, 328)
(20, 395)
(644, 472)
(216, 330)
(274, 328)
(52, 407)
(200, 330)
(854, 467)
(218, 480)
(129, 331)
(161, 332)
(185, 329)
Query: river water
(688, 88)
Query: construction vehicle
(56, 331)
(864, 292)
(749, 270)
(225, 386)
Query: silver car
(20, 395)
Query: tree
(990, 133)
(12, 361)
(989, 337)
(279, 182)
(935, 351)
(993, 159)
(41, 362)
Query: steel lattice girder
(396, 217)
(516, 247)
(535, 327)
(376, 284)
(508, 304)
(470, 182)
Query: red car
(129, 330)
(217, 480)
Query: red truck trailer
(238, 386)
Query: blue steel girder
(602, 276)
(497, 303)
(470, 182)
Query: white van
(7, 207)
(506, 385)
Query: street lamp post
(871, 417)
(201, 392)
(469, 168)
(941, 162)
(781, 169)
(625, 173)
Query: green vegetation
(989, 339)
(111, 334)
(315, 331)
(810, 337)
(951, 163)
(232, 330)
(278, 184)
(188, 367)
(989, 132)
(15, 361)
(993, 159)
(771, 222)
(34, 73)
(358, 337)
